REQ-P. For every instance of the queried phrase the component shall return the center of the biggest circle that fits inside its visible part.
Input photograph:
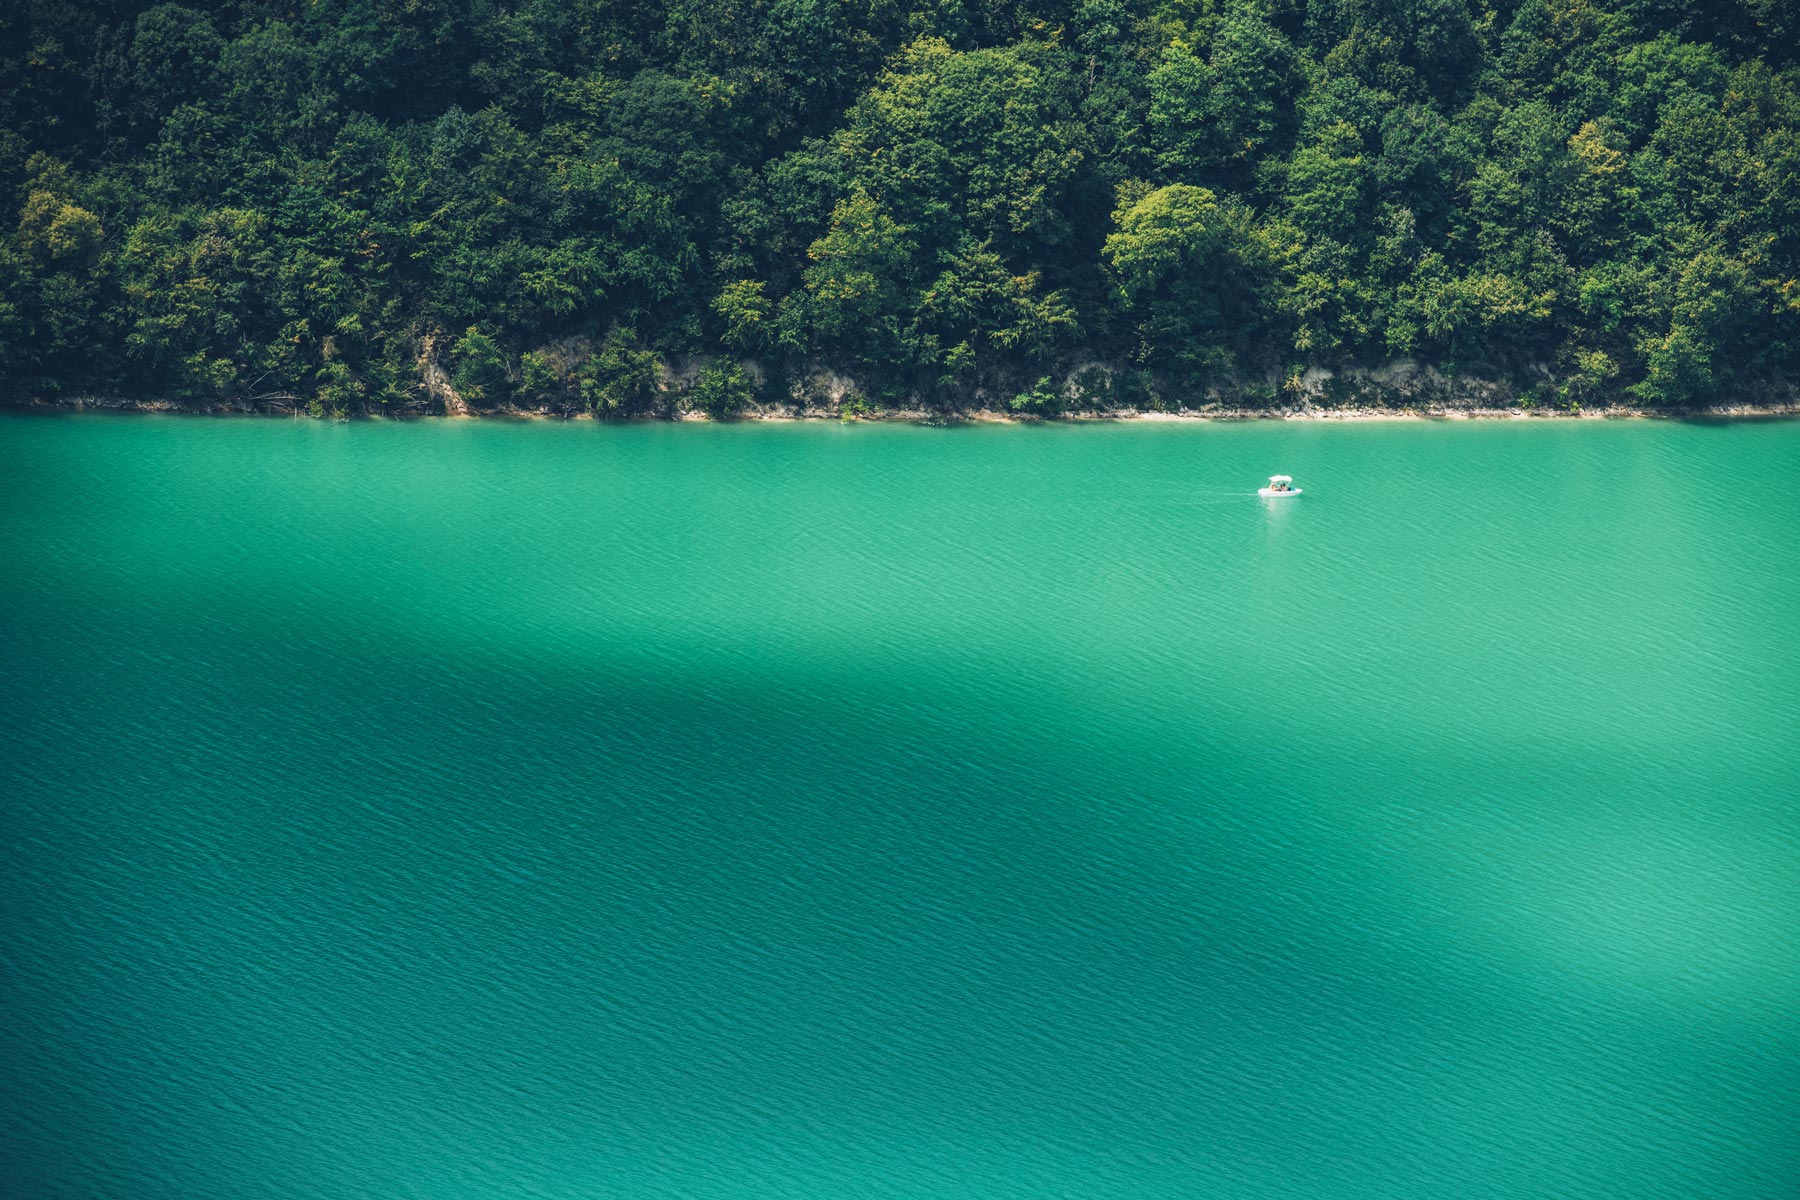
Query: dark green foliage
(480, 368)
(1041, 400)
(1213, 117)
(723, 390)
(621, 379)
(1195, 275)
(332, 204)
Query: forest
(627, 207)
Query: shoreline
(974, 416)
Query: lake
(466, 809)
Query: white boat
(1279, 485)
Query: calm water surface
(463, 810)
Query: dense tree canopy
(333, 202)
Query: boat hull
(1273, 494)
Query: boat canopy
(1281, 479)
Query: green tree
(1187, 267)
(1226, 112)
(54, 231)
(746, 313)
(858, 274)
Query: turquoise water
(458, 809)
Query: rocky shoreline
(1402, 389)
(979, 415)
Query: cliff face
(1103, 389)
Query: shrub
(1041, 401)
(621, 380)
(723, 390)
(478, 368)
